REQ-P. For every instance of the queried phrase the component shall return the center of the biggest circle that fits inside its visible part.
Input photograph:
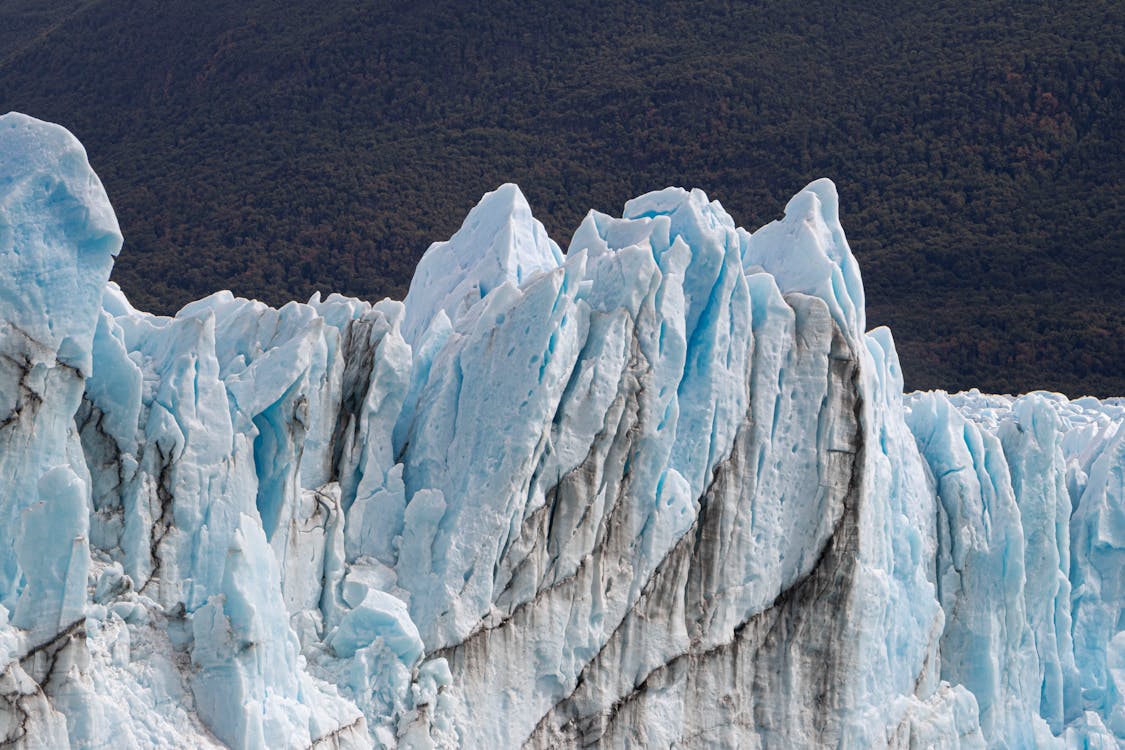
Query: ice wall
(1029, 566)
(662, 490)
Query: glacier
(660, 490)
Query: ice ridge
(661, 490)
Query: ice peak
(825, 191)
(58, 236)
(661, 202)
(507, 199)
(500, 241)
(808, 252)
(676, 201)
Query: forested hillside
(275, 148)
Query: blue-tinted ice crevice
(660, 490)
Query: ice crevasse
(661, 490)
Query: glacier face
(660, 490)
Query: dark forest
(276, 148)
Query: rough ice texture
(662, 490)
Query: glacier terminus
(660, 490)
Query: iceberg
(660, 490)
